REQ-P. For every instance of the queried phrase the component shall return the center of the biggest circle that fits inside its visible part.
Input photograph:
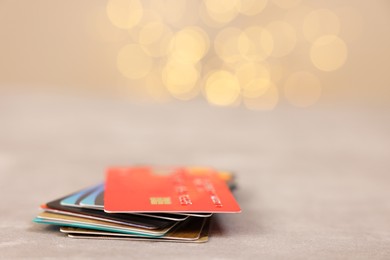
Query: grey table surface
(313, 184)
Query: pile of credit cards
(145, 203)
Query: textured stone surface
(312, 183)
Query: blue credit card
(90, 201)
(74, 199)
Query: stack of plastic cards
(145, 203)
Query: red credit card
(145, 189)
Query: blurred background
(291, 95)
(255, 54)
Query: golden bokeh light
(206, 19)
(216, 21)
(172, 11)
(284, 38)
(222, 12)
(124, 14)
(328, 53)
(133, 61)
(209, 67)
(226, 44)
(190, 16)
(256, 88)
(148, 16)
(320, 22)
(302, 89)
(252, 7)
(190, 45)
(266, 101)
(156, 39)
(255, 43)
(180, 79)
(222, 88)
(286, 3)
(151, 32)
(249, 71)
(170, 56)
(218, 6)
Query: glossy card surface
(142, 189)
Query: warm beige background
(50, 44)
